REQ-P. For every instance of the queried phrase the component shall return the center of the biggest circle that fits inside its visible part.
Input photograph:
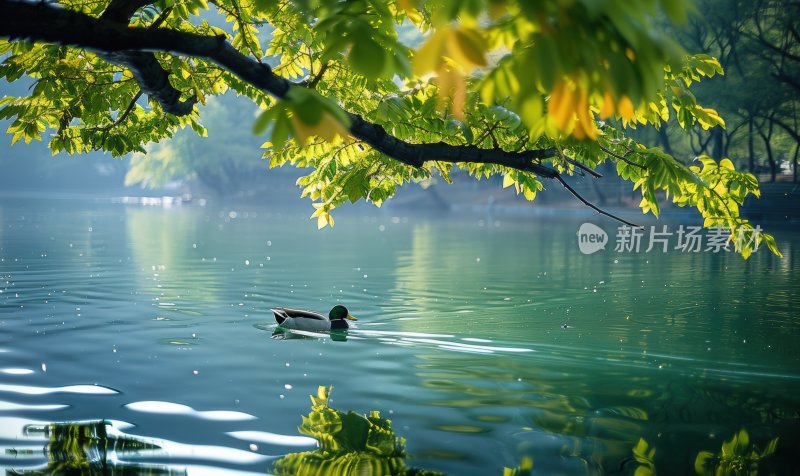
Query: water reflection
(79, 389)
(349, 444)
(461, 337)
(90, 448)
(169, 408)
(82, 448)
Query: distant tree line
(757, 42)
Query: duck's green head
(340, 312)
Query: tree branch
(592, 206)
(24, 20)
(152, 78)
(621, 157)
(124, 114)
(131, 46)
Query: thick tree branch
(152, 78)
(24, 20)
(48, 23)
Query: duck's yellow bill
(351, 317)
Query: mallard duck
(313, 321)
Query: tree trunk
(751, 161)
(663, 137)
(773, 166)
(718, 149)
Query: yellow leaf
(467, 48)
(327, 128)
(406, 5)
(585, 127)
(429, 56)
(507, 181)
(497, 8)
(453, 86)
(625, 108)
(561, 107)
(608, 106)
(463, 46)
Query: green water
(158, 319)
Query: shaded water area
(483, 341)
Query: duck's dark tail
(280, 315)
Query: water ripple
(169, 408)
(82, 389)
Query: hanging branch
(133, 47)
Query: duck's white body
(306, 320)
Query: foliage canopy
(371, 94)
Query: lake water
(484, 340)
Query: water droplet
(287, 386)
(247, 262)
(196, 372)
(44, 367)
(253, 447)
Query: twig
(620, 157)
(312, 82)
(592, 206)
(585, 168)
(122, 116)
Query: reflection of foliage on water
(349, 444)
(737, 457)
(83, 448)
(644, 456)
(524, 469)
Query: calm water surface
(158, 319)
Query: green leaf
(367, 57)
(263, 120)
(281, 131)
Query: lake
(485, 340)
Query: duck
(313, 321)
